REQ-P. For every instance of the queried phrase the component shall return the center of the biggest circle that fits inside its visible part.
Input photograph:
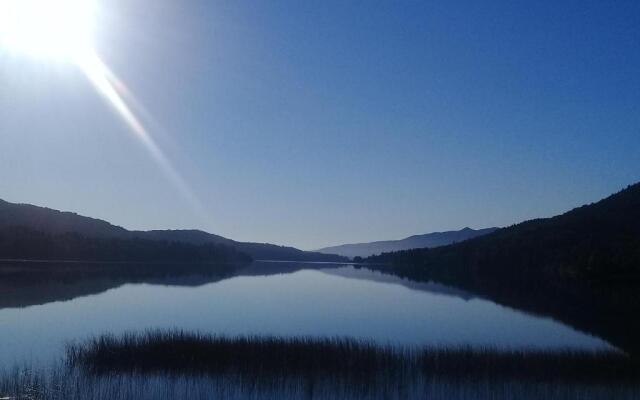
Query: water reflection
(284, 299)
(29, 284)
(24, 284)
(358, 272)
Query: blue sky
(319, 123)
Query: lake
(283, 299)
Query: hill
(434, 239)
(59, 223)
(596, 241)
(20, 243)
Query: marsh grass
(183, 352)
(176, 365)
(180, 352)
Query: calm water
(271, 299)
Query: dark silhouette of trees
(599, 241)
(25, 243)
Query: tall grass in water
(175, 365)
(180, 352)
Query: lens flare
(63, 30)
(112, 89)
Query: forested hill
(58, 224)
(19, 243)
(595, 241)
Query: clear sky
(324, 122)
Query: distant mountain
(54, 222)
(435, 239)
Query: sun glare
(60, 29)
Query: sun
(63, 30)
(53, 29)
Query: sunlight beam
(110, 87)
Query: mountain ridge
(432, 239)
(56, 222)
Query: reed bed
(194, 353)
(176, 364)
(188, 352)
